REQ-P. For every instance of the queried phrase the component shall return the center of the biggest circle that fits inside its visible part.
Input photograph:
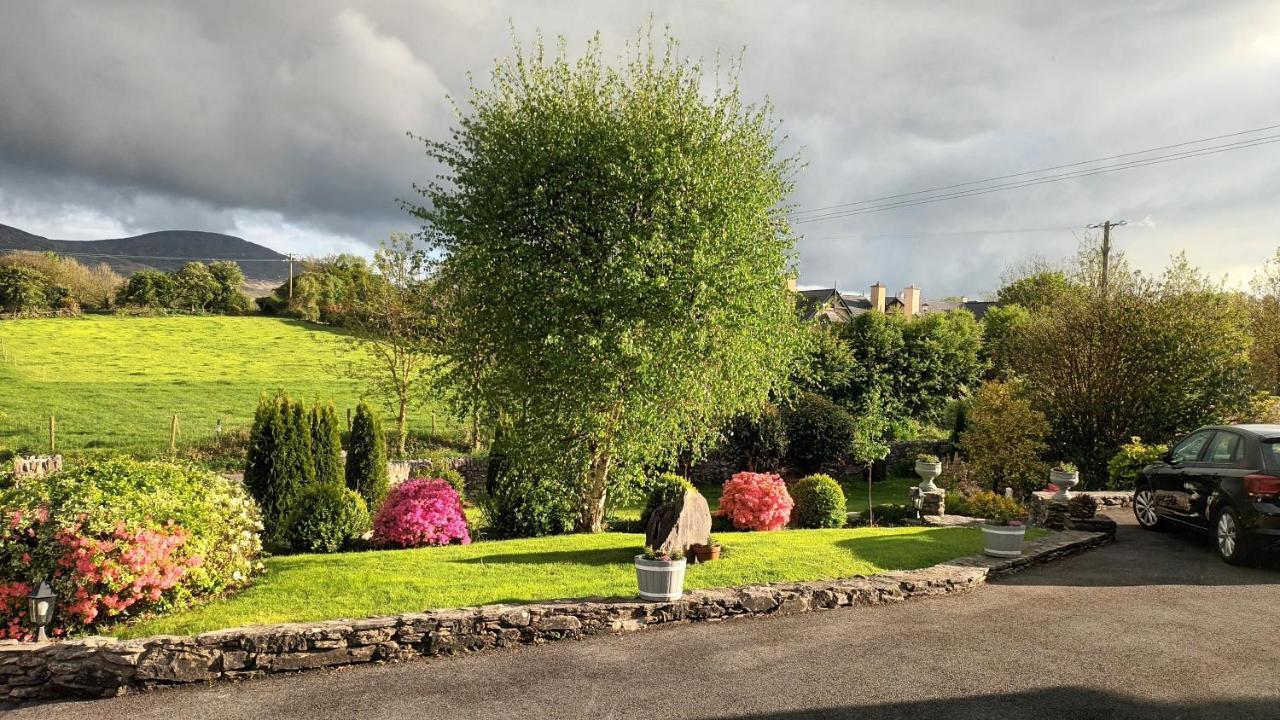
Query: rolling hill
(164, 250)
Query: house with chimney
(831, 305)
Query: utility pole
(291, 277)
(1106, 250)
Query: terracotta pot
(704, 553)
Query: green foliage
(1124, 470)
(366, 470)
(1066, 467)
(221, 522)
(642, 226)
(279, 465)
(993, 507)
(818, 432)
(194, 287)
(525, 502)
(23, 290)
(1005, 439)
(826, 366)
(871, 431)
(1000, 327)
(66, 280)
(928, 458)
(328, 518)
(891, 513)
(666, 487)
(819, 503)
(148, 288)
(324, 291)
(326, 445)
(758, 442)
(1038, 290)
(442, 468)
(228, 298)
(1154, 357)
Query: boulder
(679, 524)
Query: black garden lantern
(40, 606)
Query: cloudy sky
(284, 122)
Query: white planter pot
(927, 472)
(1003, 541)
(660, 579)
(1065, 481)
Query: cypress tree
(272, 473)
(300, 461)
(326, 445)
(367, 458)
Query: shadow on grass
(908, 552)
(598, 557)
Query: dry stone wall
(104, 667)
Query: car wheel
(1144, 509)
(1233, 544)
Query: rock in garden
(679, 524)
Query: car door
(1171, 496)
(1223, 458)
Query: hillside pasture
(114, 382)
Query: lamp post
(40, 606)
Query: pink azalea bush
(119, 538)
(421, 511)
(756, 501)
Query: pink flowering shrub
(756, 501)
(419, 512)
(119, 538)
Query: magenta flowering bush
(756, 501)
(421, 511)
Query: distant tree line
(195, 287)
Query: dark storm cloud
(285, 122)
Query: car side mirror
(1167, 458)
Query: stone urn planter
(1065, 477)
(704, 553)
(1003, 540)
(660, 579)
(928, 468)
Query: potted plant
(1003, 531)
(660, 574)
(1065, 476)
(701, 553)
(928, 467)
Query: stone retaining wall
(1038, 507)
(104, 667)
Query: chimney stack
(791, 284)
(878, 296)
(911, 301)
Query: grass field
(352, 585)
(114, 382)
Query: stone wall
(104, 667)
(1038, 505)
(36, 466)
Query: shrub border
(106, 667)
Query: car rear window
(1271, 448)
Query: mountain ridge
(163, 250)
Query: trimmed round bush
(524, 501)
(819, 503)
(756, 501)
(663, 489)
(121, 537)
(818, 432)
(418, 512)
(758, 442)
(328, 518)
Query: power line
(1254, 142)
(908, 236)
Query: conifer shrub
(819, 503)
(366, 470)
(326, 445)
(328, 518)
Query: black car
(1224, 478)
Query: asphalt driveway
(1152, 627)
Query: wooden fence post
(173, 436)
(53, 434)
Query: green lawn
(353, 585)
(115, 381)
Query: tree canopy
(615, 257)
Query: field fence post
(173, 436)
(53, 434)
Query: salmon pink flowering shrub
(756, 501)
(119, 538)
(421, 511)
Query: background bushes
(818, 432)
(819, 503)
(120, 537)
(524, 501)
(666, 487)
(366, 471)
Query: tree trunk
(401, 426)
(592, 518)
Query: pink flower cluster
(13, 610)
(128, 568)
(420, 512)
(756, 501)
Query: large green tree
(615, 254)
